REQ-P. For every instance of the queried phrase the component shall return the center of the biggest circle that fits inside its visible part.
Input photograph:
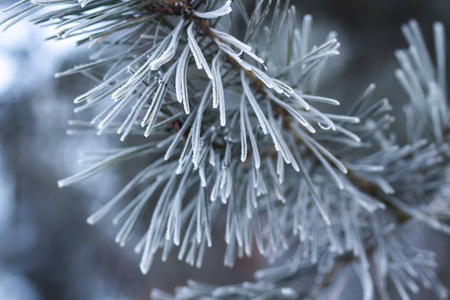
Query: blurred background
(48, 251)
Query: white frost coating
(113, 113)
(83, 3)
(169, 53)
(200, 60)
(280, 168)
(256, 157)
(325, 152)
(251, 98)
(266, 80)
(128, 123)
(218, 93)
(96, 89)
(224, 10)
(153, 111)
(287, 89)
(295, 113)
(279, 142)
(330, 124)
(196, 145)
(343, 118)
(348, 133)
(231, 40)
(221, 95)
(227, 49)
(138, 76)
(178, 136)
(300, 100)
(181, 80)
(237, 43)
(243, 131)
(114, 159)
(317, 199)
(320, 99)
(133, 210)
(148, 172)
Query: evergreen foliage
(237, 130)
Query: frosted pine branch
(234, 131)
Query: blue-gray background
(47, 251)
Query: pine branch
(237, 120)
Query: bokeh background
(47, 251)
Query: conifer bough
(236, 129)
